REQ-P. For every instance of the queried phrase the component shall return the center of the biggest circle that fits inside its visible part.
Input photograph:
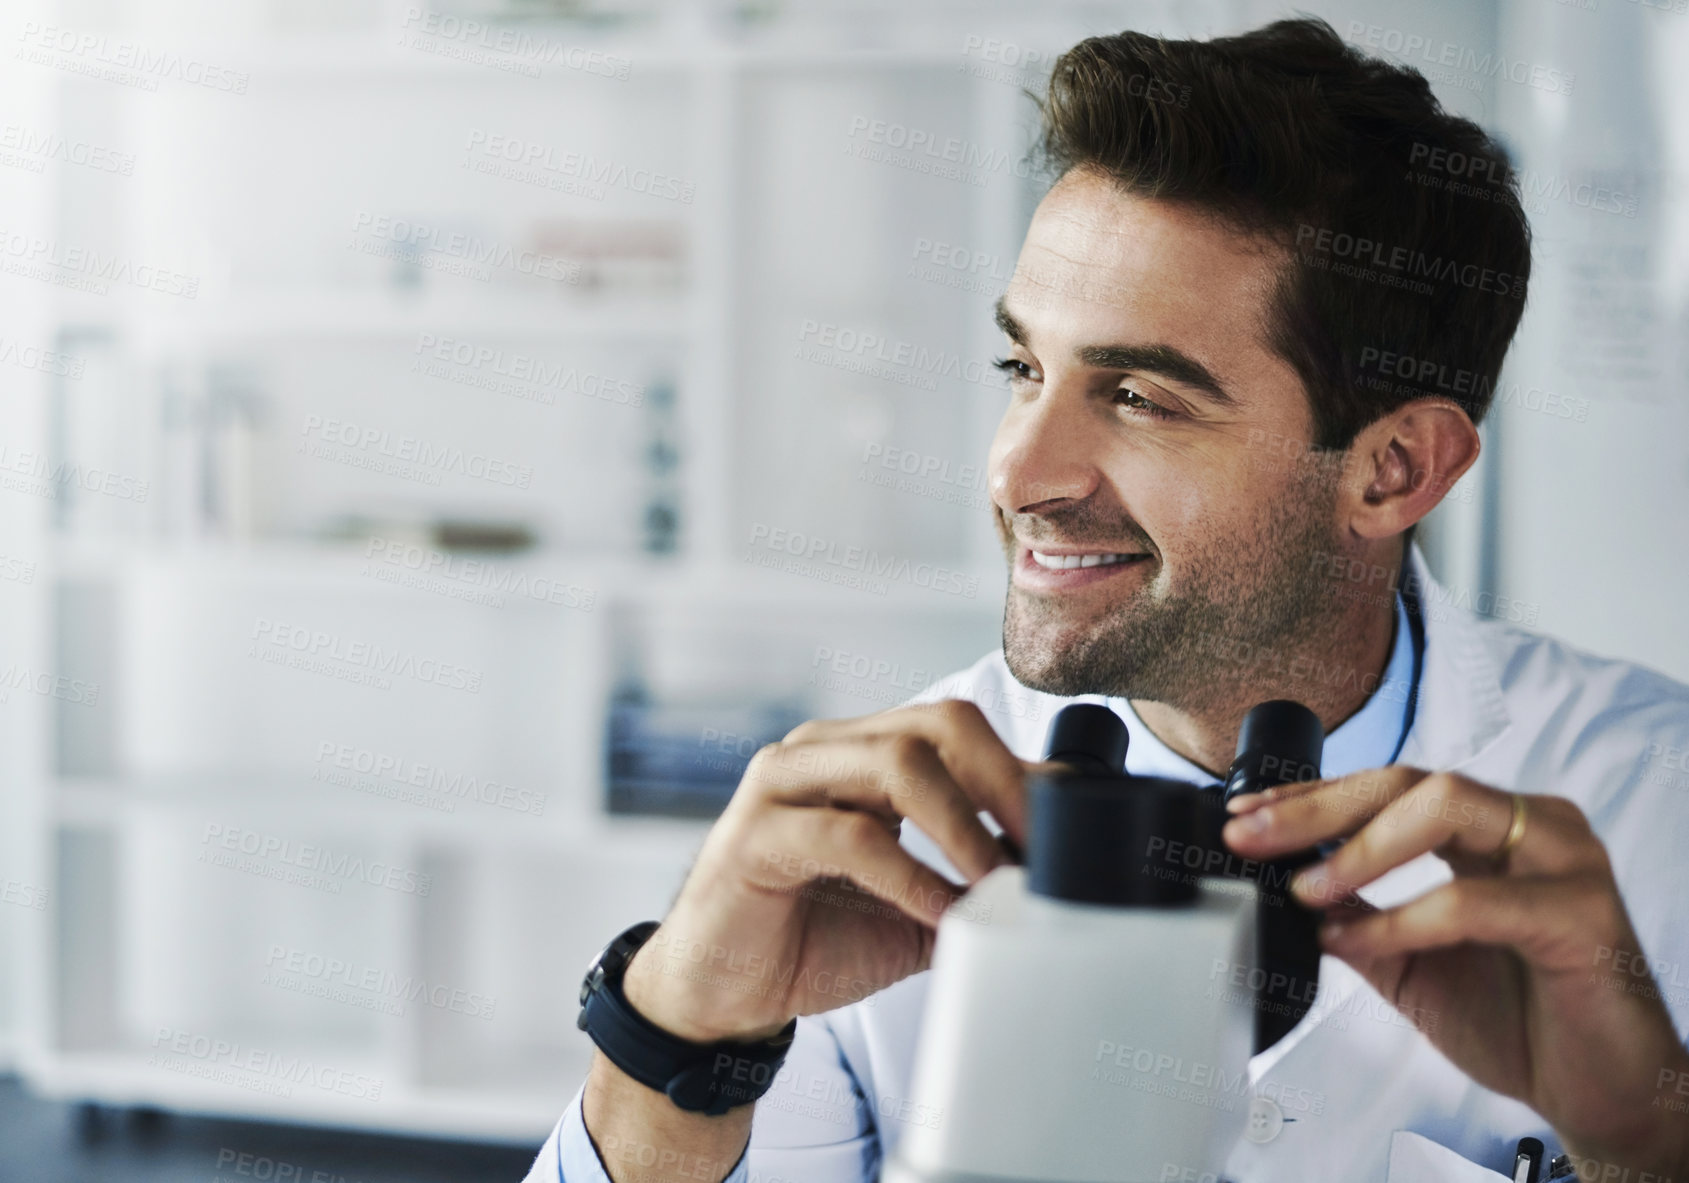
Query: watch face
(613, 958)
(594, 978)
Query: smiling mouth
(1051, 562)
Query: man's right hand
(802, 899)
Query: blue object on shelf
(685, 759)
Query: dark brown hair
(1409, 248)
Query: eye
(1017, 370)
(1134, 401)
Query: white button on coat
(1266, 1120)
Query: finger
(805, 774)
(1551, 921)
(1323, 810)
(788, 849)
(892, 719)
(900, 774)
(1249, 802)
(1465, 823)
(975, 755)
(1447, 814)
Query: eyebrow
(1165, 360)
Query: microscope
(1084, 1021)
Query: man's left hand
(1515, 959)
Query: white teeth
(1072, 562)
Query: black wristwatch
(708, 1078)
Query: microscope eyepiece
(1089, 738)
(1279, 743)
(1096, 835)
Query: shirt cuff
(569, 1155)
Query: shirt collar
(1366, 739)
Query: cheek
(1182, 496)
(1179, 516)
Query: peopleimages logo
(1409, 46)
(366, 985)
(431, 778)
(467, 254)
(47, 685)
(274, 641)
(1411, 264)
(149, 65)
(50, 478)
(45, 361)
(506, 48)
(1434, 600)
(35, 148)
(925, 151)
(16, 570)
(412, 565)
(821, 557)
(409, 450)
(520, 375)
(1211, 1085)
(1488, 177)
(308, 858)
(1429, 376)
(23, 895)
(228, 1062)
(877, 355)
(85, 268)
(492, 148)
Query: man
(1206, 484)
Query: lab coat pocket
(1416, 1159)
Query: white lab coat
(1367, 1096)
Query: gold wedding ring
(1515, 832)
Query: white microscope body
(1110, 1065)
(1081, 1025)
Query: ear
(1401, 466)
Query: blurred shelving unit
(168, 805)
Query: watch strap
(708, 1078)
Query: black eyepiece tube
(1090, 826)
(1281, 743)
(1089, 738)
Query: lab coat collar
(1461, 709)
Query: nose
(1044, 452)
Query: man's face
(1151, 427)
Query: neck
(1358, 639)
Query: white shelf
(360, 57)
(380, 313)
(297, 801)
(634, 579)
(122, 1078)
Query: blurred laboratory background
(410, 411)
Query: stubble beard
(1223, 629)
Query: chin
(1054, 681)
(1048, 663)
